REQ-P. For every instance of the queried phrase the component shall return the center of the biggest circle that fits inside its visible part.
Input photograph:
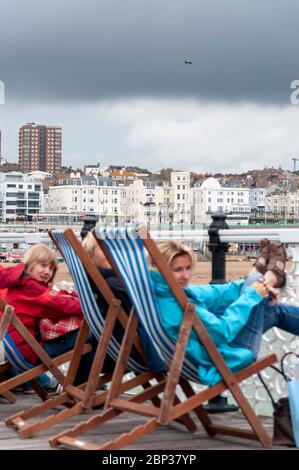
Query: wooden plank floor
(172, 437)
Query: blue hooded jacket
(222, 309)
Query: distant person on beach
(235, 314)
(29, 292)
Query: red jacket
(3, 292)
(33, 300)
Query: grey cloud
(72, 50)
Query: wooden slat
(125, 405)
(236, 432)
(100, 354)
(75, 392)
(37, 348)
(5, 319)
(35, 371)
(77, 443)
(9, 397)
(121, 363)
(176, 364)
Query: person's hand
(260, 288)
(274, 294)
(270, 279)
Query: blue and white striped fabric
(93, 316)
(128, 253)
(13, 355)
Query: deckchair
(125, 249)
(83, 398)
(13, 357)
(4, 365)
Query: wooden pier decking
(172, 437)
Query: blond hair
(40, 254)
(170, 249)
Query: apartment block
(40, 148)
(21, 197)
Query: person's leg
(283, 316)
(250, 336)
(64, 343)
(44, 379)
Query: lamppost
(89, 223)
(218, 249)
(159, 217)
(170, 215)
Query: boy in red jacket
(29, 292)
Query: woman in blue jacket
(235, 314)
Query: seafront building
(40, 148)
(21, 197)
(129, 197)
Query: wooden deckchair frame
(47, 363)
(169, 410)
(81, 399)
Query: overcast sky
(112, 73)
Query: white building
(92, 170)
(257, 200)
(86, 195)
(147, 202)
(283, 205)
(39, 175)
(181, 194)
(21, 197)
(211, 197)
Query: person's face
(42, 272)
(100, 259)
(181, 267)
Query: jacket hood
(12, 276)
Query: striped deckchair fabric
(14, 356)
(128, 253)
(92, 313)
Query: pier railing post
(218, 249)
(89, 222)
